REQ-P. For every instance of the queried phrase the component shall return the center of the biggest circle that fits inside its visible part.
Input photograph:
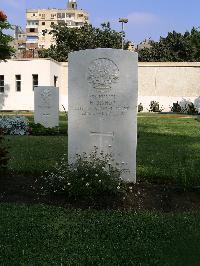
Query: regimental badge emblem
(102, 74)
(46, 95)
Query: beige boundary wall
(163, 82)
(169, 82)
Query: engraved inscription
(45, 95)
(106, 134)
(102, 73)
(45, 115)
(103, 105)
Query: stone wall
(169, 82)
(163, 82)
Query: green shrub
(140, 108)
(39, 130)
(185, 108)
(3, 153)
(90, 176)
(176, 108)
(191, 109)
(155, 107)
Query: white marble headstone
(103, 91)
(46, 106)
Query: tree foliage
(5, 49)
(175, 47)
(86, 37)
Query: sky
(147, 18)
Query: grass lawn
(41, 235)
(35, 154)
(168, 149)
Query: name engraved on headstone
(103, 105)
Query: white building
(18, 78)
(163, 82)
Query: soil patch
(151, 197)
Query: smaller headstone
(46, 106)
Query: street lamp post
(123, 21)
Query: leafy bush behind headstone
(184, 107)
(40, 130)
(3, 152)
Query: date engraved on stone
(102, 74)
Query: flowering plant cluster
(90, 176)
(3, 17)
(14, 125)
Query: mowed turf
(35, 154)
(168, 150)
(41, 235)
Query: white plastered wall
(24, 100)
(163, 82)
(168, 82)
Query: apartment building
(39, 23)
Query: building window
(70, 15)
(52, 23)
(35, 80)
(32, 22)
(33, 15)
(63, 15)
(43, 23)
(1, 83)
(55, 81)
(18, 82)
(32, 29)
(59, 15)
(32, 39)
